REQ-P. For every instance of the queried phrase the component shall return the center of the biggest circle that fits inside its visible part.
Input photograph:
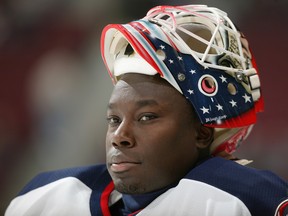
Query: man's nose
(123, 136)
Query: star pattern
(204, 109)
(190, 91)
(223, 79)
(247, 98)
(219, 107)
(192, 71)
(214, 109)
(233, 103)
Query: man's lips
(122, 164)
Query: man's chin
(129, 188)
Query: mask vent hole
(208, 85)
(232, 89)
(161, 54)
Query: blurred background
(54, 87)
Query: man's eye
(147, 117)
(113, 120)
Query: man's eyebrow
(147, 102)
(139, 103)
(110, 106)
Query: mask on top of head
(201, 53)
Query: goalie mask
(200, 52)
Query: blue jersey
(216, 187)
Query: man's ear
(204, 136)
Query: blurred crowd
(54, 87)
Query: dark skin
(154, 137)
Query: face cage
(224, 34)
(167, 16)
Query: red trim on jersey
(105, 199)
(135, 213)
(281, 209)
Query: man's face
(151, 136)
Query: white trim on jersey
(70, 196)
(67, 196)
(194, 198)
